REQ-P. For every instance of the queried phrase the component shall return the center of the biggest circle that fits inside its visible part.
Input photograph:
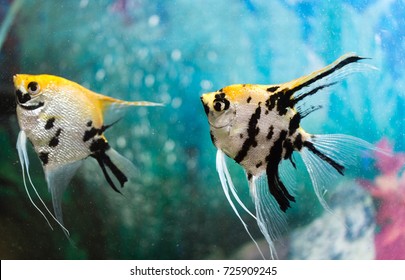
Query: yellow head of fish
(221, 106)
(29, 89)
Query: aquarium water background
(172, 52)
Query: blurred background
(172, 52)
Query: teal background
(172, 52)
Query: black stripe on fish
(271, 101)
(22, 97)
(288, 148)
(206, 108)
(276, 186)
(252, 131)
(55, 139)
(104, 161)
(49, 123)
(341, 64)
(339, 168)
(99, 148)
(308, 111)
(281, 101)
(89, 134)
(298, 142)
(284, 102)
(294, 123)
(44, 157)
(270, 133)
(284, 99)
(272, 88)
(32, 107)
(312, 92)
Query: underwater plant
(388, 189)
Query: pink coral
(389, 189)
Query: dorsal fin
(113, 109)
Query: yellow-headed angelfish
(65, 124)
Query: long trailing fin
(58, 179)
(270, 219)
(227, 184)
(326, 77)
(117, 169)
(24, 161)
(326, 157)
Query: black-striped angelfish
(258, 126)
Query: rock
(346, 233)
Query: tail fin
(326, 156)
(112, 163)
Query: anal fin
(270, 219)
(58, 179)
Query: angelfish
(258, 126)
(65, 124)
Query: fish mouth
(217, 126)
(206, 107)
(31, 107)
(24, 98)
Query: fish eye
(33, 88)
(219, 105)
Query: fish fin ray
(24, 161)
(227, 184)
(287, 172)
(333, 152)
(270, 219)
(117, 169)
(327, 76)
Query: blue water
(172, 52)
